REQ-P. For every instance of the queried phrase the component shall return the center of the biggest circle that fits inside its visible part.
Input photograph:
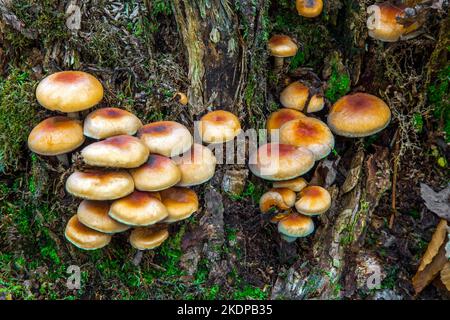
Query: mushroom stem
(138, 258)
(279, 62)
(64, 159)
(73, 115)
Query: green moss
(338, 85)
(439, 98)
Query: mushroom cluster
(137, 176)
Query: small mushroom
(313, 201)
(294, 96)
(180, 202)
(197, 166)
(279, 216)
(309, 8)
(148, 238)
(107, 122)
(56, 136)
(295, 185)
(83, 237)
(359, 115)
(94, 214)
(219, 126)
(295, 226)
(181, 98)
(316, 103)
(281, 46)
(280, 198)
(278, 118)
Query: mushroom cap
(281, 198)
(277, 161)
(278, 118)
(359, 115)
(296, 184)
(69, 91)
(219, 126)
(309, 133)
(158, 173)
(148, 238)
(309, 8)
(83, 237)
(180, 202)
(313, 201)
(316, 103)
(116, 152)
(279, 216)
(282, 46)
(107, 122)
(294, 96)
(100, 185)
(197, 166)
(296, 225)
(55, 136)
(168, 138)
(94, 214)
(138, 209)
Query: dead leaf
(422, 278)
(73, 21)
(437, 202)
(439, 236)
(445, 275)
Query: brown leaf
(445, 275)
(439, 236)
(422, 278)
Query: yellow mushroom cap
(282, 46)
(281, 198)
(197, 166)
(294, 96)
(148, 238)
(274, 161)
(316, 103)
(219, 126)
(309, 8)
(180, 202)
(55, 136)
(158, 173)
(168, 138)
(100, 185)
(107, 122)
(359, 115)
(94, 214)
(83, 237)
(314, 200)
(296, 225)
(138, 209)
(278, 118)
(296, 184)
(309, 133)
(69, 91)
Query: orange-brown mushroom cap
(116, 152)
(309, 133)
(100, 185)
(313, 200)
(168, 138)
(83, 237)
(296, 184)
(138, 209)
(219, 126)
(278, 118)
(69, 91)
(282, 46)
(316, 103)
(180, 202)
(197, 166)
(55, 136)
(148, 238)
(309, 8)
(158, 173)
(274, 161)
(280, 198)
(107, 122)
(94, 214)
(294, 96)
(359, 115)
(296, 225)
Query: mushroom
(107, 122)
(276, 162)
(279, 216)
(219, 126)
(313, 201)
(100, 185)
(69, 92)
(116, 152)
(180, 202)
(83, 237)
(197, 166)
(316, 103)
(181, 98)
(139, 209)
(94, 214)
(281, 46)
(383, 23)
(56, 136)
(158, 173)
(281, 198)
(295, 226)
(278, 118)
(309, 133)
(148, 238)
(167, 138)
(296, 184)
(309, 8)
(358, 115)
(294, 96)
